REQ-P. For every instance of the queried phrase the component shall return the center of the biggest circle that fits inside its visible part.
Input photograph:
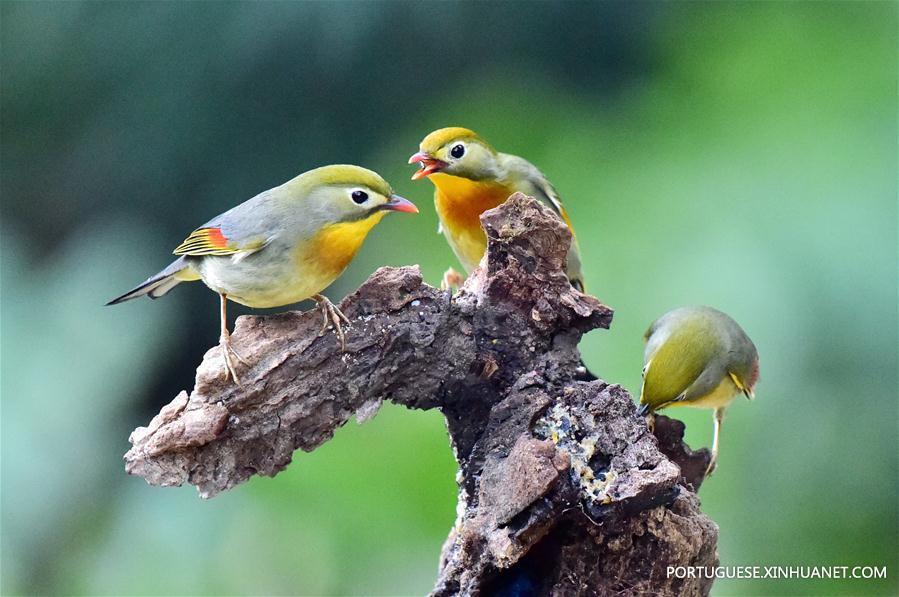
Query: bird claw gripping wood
(228, 353)
(451, 280)
(331, 316)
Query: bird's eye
(457, 151)
(359, 197)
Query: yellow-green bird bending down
(282, 246)
(697, 357)
(471, 177)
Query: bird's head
(455, 151)
(344, 193)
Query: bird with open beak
(471, 177)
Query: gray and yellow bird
(282, 246)
(471, 177)
(697, 357)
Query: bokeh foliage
(737, 155)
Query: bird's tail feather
(159, 284)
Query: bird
(701, 358)
(471, 177)
(284, 245)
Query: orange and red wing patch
(206, 241)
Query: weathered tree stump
(562, 490)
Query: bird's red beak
(397, 203)
(429, 165)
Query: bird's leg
(719, 417)
(330, 310)
(651, 422)
(228, 351)
(451, 279)
(326, 321)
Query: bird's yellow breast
(460, 203)
(334, 246)
(723, 394)
(280, 278)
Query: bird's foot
(331, 316)
(651, 422)
(713, 464)
(229, 355)
(452, 280)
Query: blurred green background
(738, 155)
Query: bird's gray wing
(531, 181)
(242, 230)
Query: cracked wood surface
(562, 489)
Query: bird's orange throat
(461, 201)
(335, 245)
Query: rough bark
(562, 490)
